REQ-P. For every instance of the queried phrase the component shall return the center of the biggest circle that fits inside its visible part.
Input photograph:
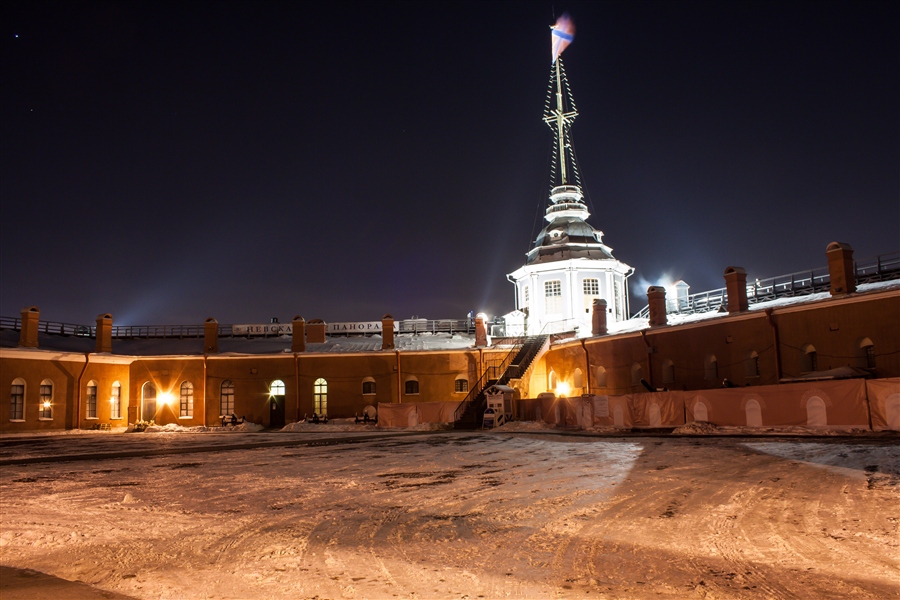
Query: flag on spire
(561, 35)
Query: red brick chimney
(656, 299)
(298, 334)
(28, 334)
(598, 317)
(480, 331)
(736, 287)
(315, 332)
(387, 332)
(210, 336)
(104, 333)
(840, 268)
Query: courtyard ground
(454, 515)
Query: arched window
(17, 400)
(711, 367)
(460, 385)
(816, 415)
(637, 373)
(276, 388)
(752, 365)
(753, 413)
(600, 378)
(148, 402)
(115, 401)
(668, 371)
(187, 400)
(46, 408)
(809, 360)
(551, 380)
(578, 379)
(91, 398)
(412, 386)
(368, 388)
(226, 398)
(320, 396)
(867, 354)
(700, 412)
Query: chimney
(480, 331)
(298, 334)
(840, 268)
(28, 334)
(387, 332)
(315, 332)
(736, 288)
(104, 333)
(210, 336)
(656, 299)
(598, 317)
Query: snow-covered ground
(454, 515)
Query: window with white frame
(187, 399)
(368, 387)
(115, 401)
(525, 296)
(226, 398)
(553, 297)
(591, 292)
(461, 385)
(276, 388)
(46, 408)
(320, 397)
(91, 400)
(412, 386)
(17, 400)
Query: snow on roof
(244, 345)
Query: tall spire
(566, 198)
(560, 119)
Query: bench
(100, 427)
(232, 420)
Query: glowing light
(562, 389)
(166, 398)
(46, 404)
(112, 400)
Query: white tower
(569, 266)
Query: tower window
(553, 296)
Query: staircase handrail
(479, 386)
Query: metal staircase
(471, 412)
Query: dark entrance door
(276, 411)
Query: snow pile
(696, 428)
(176, 428)
(245, 427)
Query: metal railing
(884, 267)
(416, 326)
(492, 372)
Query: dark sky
(167, 162)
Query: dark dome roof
(565, 238)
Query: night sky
(168, 162)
